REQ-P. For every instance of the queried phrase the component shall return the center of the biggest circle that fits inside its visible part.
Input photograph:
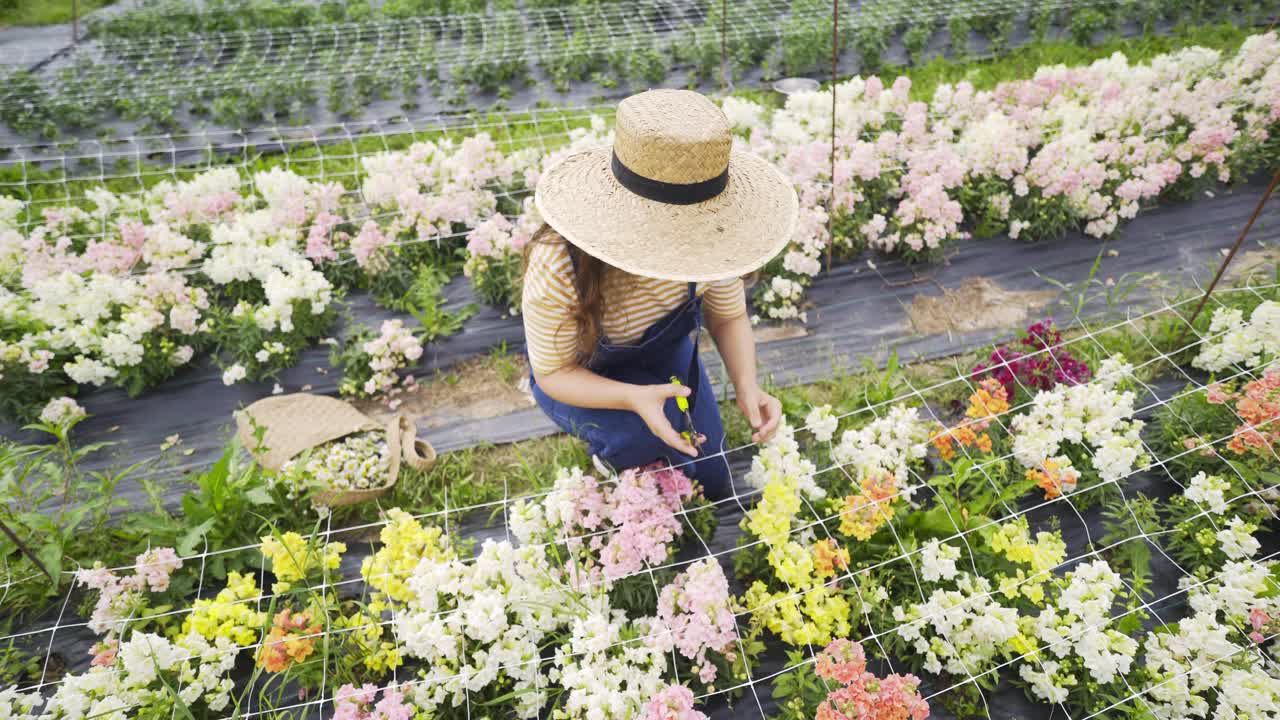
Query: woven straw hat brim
(733, 234)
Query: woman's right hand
(649, 402)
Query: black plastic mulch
(1079, 529)
(857, 313)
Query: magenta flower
(1037, 362)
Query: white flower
(1096, 414)
(1232, 341)
(233, 374)
(742, 114)
(938, 561)
(822, 423)
(1208, 490)
(1237, 539)
(888, 444)
(1040, 675)
(143, 655)
(61, 410)
(780, 460)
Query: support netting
(139, 81)
(1079, 520)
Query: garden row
(124, 289)
(262, 77)
(175, 17)
(939, 532)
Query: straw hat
(671, 199)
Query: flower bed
(1071, 148)
(903, 554)
(130, 288)
(251, 274)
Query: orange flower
(983, 442)
(990, 400)
(1055, 476)
(864, 513)
(1258, 405)
(960, 436)
(942, 441)
(827, 556)
(291, 640)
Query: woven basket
(296, 423)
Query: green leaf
(187, 543)
(259, 495)
(50, 555)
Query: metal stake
(835, 57)
(1222, 269)
(22, 547)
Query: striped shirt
(631, 304)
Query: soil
(1252, 263)
(978, 303)
(484, 387)
(773, 333)
(478, 388)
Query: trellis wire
(769, 26)
(1089, 335)
(542, 28)
(960, 378)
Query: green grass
(44, 12)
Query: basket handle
(403, 441)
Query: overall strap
(573, 259)
(693, 377)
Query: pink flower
(696, 616)
(104, 653)
(319, 244)
(367, 243)
(1258, 618)
(133, 233)
(863, 695)
(1215, 394)
(352, 703)
(674, 702)
(155, 567)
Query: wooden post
(75, 21)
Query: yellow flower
(405, 543)
(293, 557)
(771, 519)
(229, 614)
(1014, 542)
(1024, 643)
(368, 632)
(815, 616)
(1008, 586)
(1021, 584)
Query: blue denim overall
(619, 437)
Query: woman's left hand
(762, 410)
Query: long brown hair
(588, 280)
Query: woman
(639, 240)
